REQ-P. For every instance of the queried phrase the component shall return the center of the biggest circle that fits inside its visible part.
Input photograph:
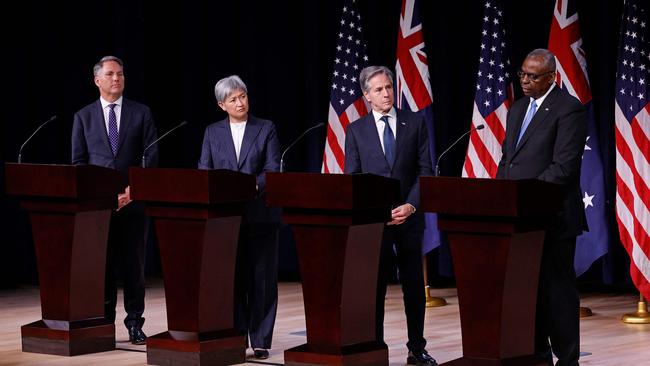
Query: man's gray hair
(98, 66)
(547, 57)
(227, 85)
(369, 72)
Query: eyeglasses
(532, 77)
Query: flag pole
(641, 316)
(431, 301)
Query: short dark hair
(547, 56)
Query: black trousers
(256, 282)
(558, 302)
(407, 256)
(125, 260)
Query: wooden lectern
(70, 209)
(496, 232)
(196, 215)
(337, 223)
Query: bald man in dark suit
(545, 138)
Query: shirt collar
(106, 103)
(541, 99)
(392, 114)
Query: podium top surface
(331, 191)
(193, 186)
(490, 197)
(61, 181)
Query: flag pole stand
(585, 312)
(431, 301)
(641, 316)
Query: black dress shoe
(261, 353)
(136, 335)
(421, 358)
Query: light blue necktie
(113, 136)
(389, 142)
(527, 119)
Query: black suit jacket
(90, 143)
(259, 153)
(363, 152)
(550, 150)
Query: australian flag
(414, 91)
(565, 42)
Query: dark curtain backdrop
(175, 52)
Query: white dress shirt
(237, 131)
(392, 122)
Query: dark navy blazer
(260, 153)
(90, 143)
(363, 152)
(550, 150)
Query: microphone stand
(294, 142)
(20, 151)
(144, 152)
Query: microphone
(144, 153)
(20, 151)
(479, 127)
(295, 141)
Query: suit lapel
(225, 135)
(401, 125)
(125, 123)
(538, 119)
(251, 131)
(369, 128)
(99, 116)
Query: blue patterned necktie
(389, 142)
(527, 119)
(113, 135)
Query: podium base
(38, 337)
(212, 350)
(530, 360)
(364, 354)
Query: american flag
(492, 99)
(346, 99)
(632, 116)
(565, 42)
(414, 90)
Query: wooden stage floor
(605, 339)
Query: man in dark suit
(394, 143)
(113, 132)
(247, 144)
(545, 139)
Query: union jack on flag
(347, 103)
(632, 117)
(493, 97)
(414, 91)
(565, 42)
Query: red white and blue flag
(347, 103)
(632, 117)
(493, 96)
(414, 91)
(565, 42)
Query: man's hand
(124, 198)
(401, 213)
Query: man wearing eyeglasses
(545, 138)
